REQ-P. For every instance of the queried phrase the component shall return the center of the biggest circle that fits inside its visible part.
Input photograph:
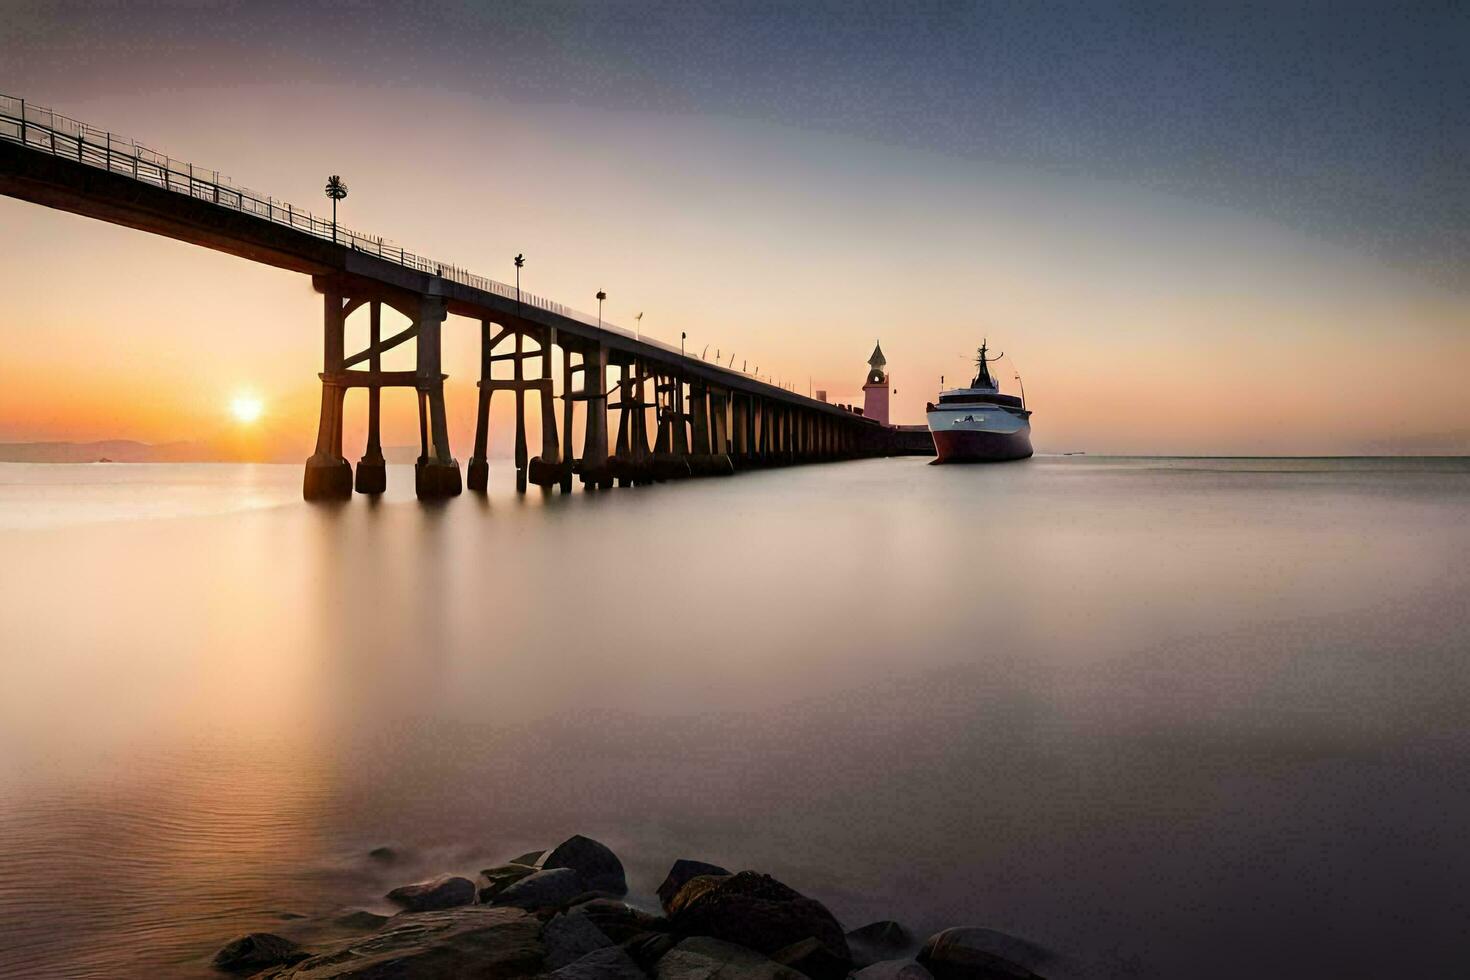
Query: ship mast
(982, 376)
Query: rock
(620, 922)
(569, 937)
(679, 875)
(703, 958)
(693, 889)
(648, 947)
(257, 951)
(877, 941)
(543, 889)
(360, 920)
(754, 910)
(812, 959)
(969, 953)
(531, 859)
(443, 892)
(893, 970)
(609, 963)
(499, 879)
(599, 867)
(490, 943)
(384, 854)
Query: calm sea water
(1175, 718)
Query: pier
(646, 410)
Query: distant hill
(130, 451)
(115, 450)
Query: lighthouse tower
(875, 392)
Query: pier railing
(39, 128)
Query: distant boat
(104, 459)
(978, 424)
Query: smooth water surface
(1174, 718)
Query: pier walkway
(675, 415)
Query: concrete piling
(701, 426)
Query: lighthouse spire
(877, 362)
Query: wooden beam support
(376, 349)
(382, 379)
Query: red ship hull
(970, 446)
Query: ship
(978, 424)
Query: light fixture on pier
(600, 297)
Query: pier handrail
(45, 130)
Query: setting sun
(246, 408)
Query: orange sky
(1142, 323)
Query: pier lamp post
(600, 297)
(682, 335)
(336, 190)
(520, 260)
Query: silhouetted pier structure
(675, 415)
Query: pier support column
(678, 417)
(757, 432)
(663, 436)
(372, 470)
(622, 451)
(437, 475)
(732, 430)
(478, 476)
(550, 442)
(744, 445)
(671, 445)
(699, 426)
(641, 462)
(328, 474)
(519, 376)
(777, 448)
(719, 422)
(758, 447)
(708, 456)
(595, 472)
(568, 417)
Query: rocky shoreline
(560, 914)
